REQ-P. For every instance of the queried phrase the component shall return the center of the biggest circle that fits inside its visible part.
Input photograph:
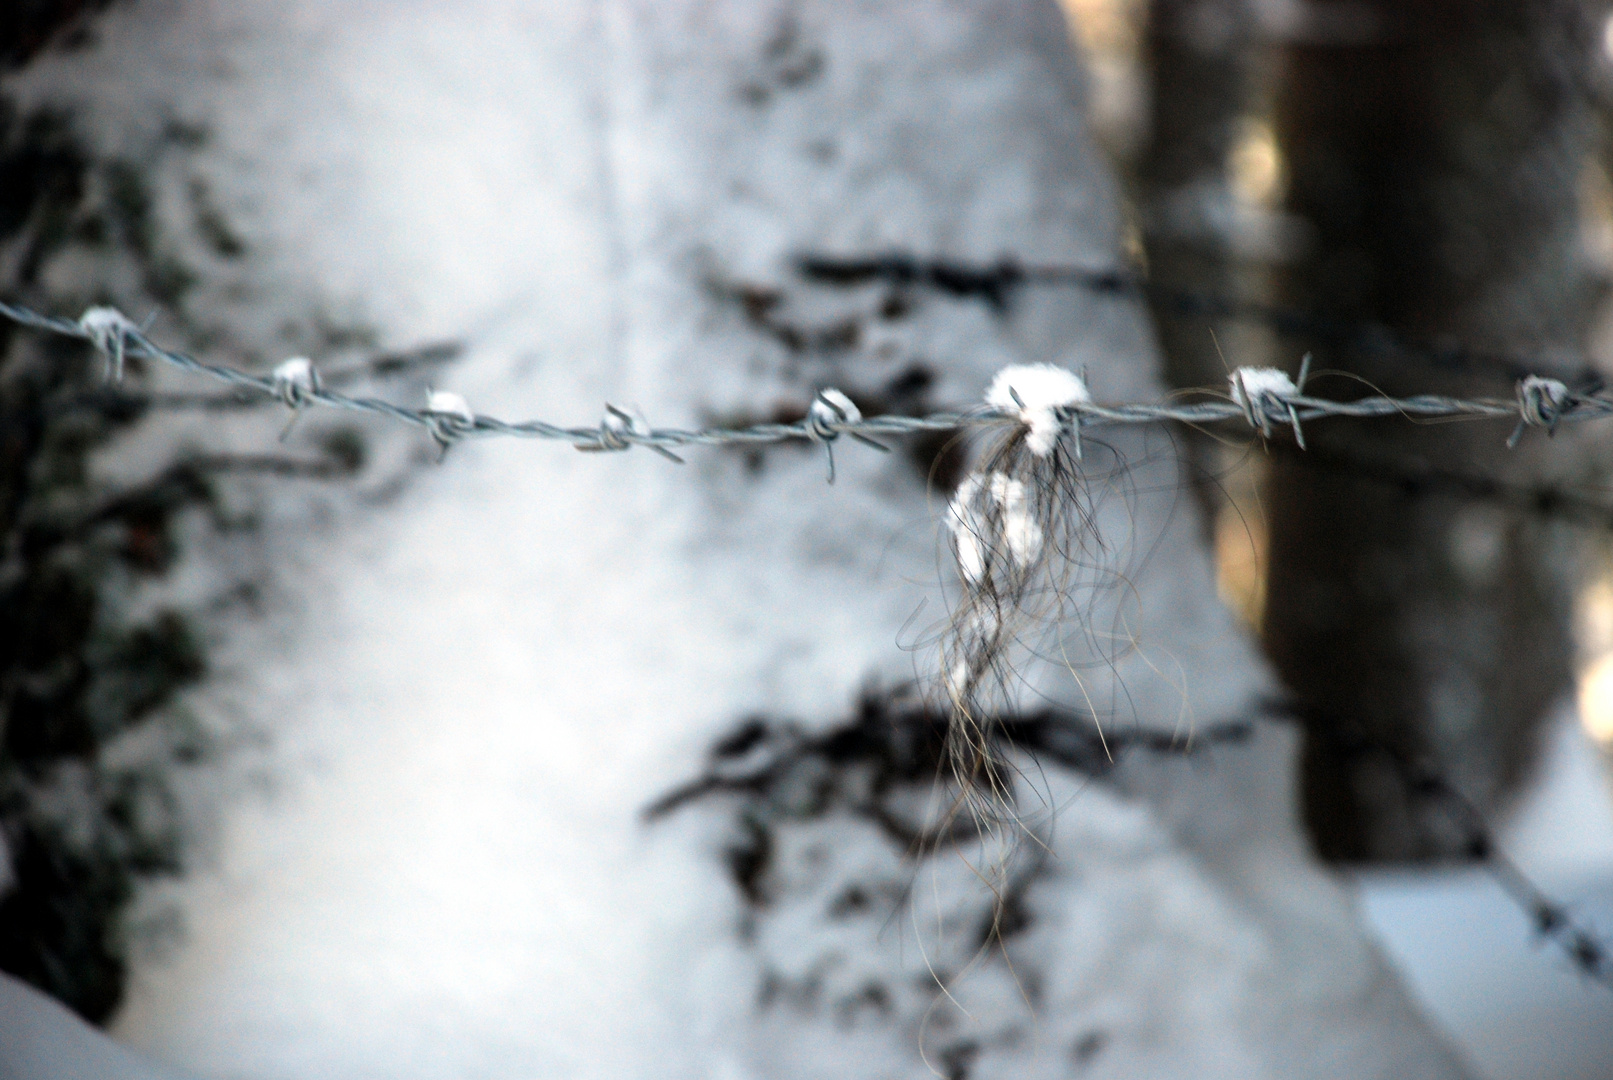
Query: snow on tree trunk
(490, 689)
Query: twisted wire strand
(1262, 412)
(1582, 945)
(1540, 403)
(997, 283)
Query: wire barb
(296, 381)
(448, 417)
(1540, 402)
(108, 329)
(1043, 397)
(1268, 395)
(622, 430)
(830, 414)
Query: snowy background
(419, 848)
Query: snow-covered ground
(466, 685)
(1513, 1006)
(40, 1039)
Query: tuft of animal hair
(1023, 531)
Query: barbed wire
(117, 401)
(996, 283)
(1417, 479)
(1264, 399)
(1263, 404)
(1589, 953)
(899, 738)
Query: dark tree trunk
(1436, 158)
(1200, 61)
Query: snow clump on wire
(1252, 384)
(1035, 392)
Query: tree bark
(1435, 157)
(1200, 59)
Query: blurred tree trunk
(1200, 59)
(30, 24)
(1199, 56)
(1434, 147)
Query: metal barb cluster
(1543, 403)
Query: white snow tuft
(1020, 531)
(294, 380)
(968, 528)
(105, 325)
(107, 328)
(1036, 392)
(1250, 384)
(296, 373)
(447, 403)
(974, 531)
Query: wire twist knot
(1045, 398)
(828, 410)
(448, 417)
(1541, 403)
(296, 381)
(830, 407)
(622, 430)
(108, 330)
(1266, 395)
(614, 429)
